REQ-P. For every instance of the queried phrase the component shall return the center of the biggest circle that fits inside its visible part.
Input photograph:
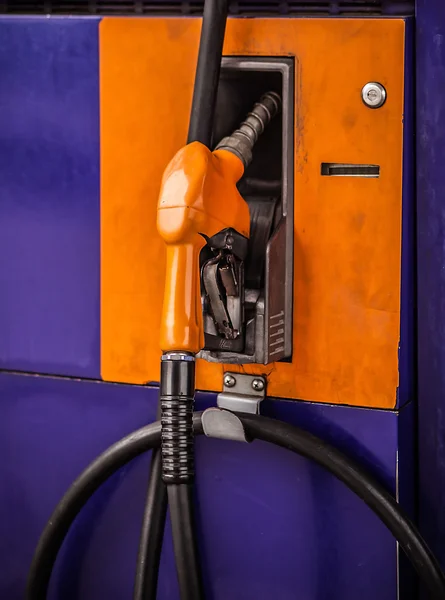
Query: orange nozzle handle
(182, 314)
(198, 199)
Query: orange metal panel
(347, 230)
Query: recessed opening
(348, 170)
(238, 91)
(267, 187)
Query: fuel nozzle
(200, 205)
(243, 139)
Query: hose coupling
(243, 139)
(177, 397)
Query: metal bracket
(224, 425)
(242, 393)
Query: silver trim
(178, 356)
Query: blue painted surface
(407, 484)
(407, 391)
(430, 49)
(272, 525)
(407, 352)
(49, 196)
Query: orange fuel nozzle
(199, 199)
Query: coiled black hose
(262, 428)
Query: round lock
(374, 94)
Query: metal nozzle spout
(245, 137)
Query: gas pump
(228, 299)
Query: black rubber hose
(362, 484)
(50, 542)
(177, 391)
(200, 129)
(207, 72)
(269, 430)
(152, 533)
(180, 500)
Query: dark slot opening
(237, 93)
(345, 170)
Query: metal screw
(258, 385)
(229, 380)
(374, 94)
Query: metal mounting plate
(242, 393)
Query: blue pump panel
(49, 197)
(271, 524)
